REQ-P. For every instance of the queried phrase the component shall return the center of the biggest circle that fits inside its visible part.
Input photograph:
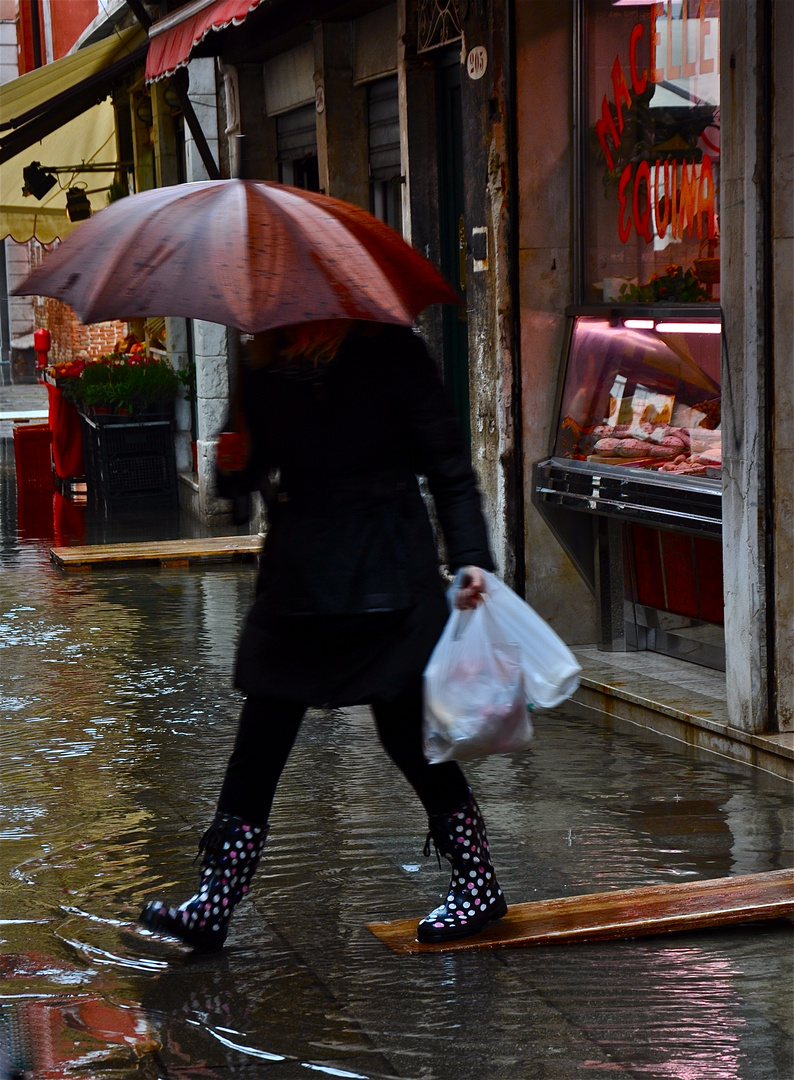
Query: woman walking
(340, 419)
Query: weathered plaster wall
(758, 370)
(783, 335)
(741, 169)
(488, 244)
(342, 133)
(544, 80)
(260, 149)
(487, 217)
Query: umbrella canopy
(243, 253)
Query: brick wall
(70, 337)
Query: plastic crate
(32, 457)
(128, 459)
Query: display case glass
(643, 393)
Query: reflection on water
(115, 708)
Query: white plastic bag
(551, 671)
(491, 666)
(474, 701)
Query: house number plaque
(477, 62)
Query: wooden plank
(622, 913)
(164, 552)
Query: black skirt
(338, 660)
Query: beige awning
(90, 137)
(59, 115)
(80, 80)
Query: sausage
(607, 446)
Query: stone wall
(782, 254)
(757, 227)
(544, 81)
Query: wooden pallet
(169, 553)
(623, 913)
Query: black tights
(268, 729)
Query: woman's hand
(232, 451)
(472, 588)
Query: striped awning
(172, 39)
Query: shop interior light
(638, 324)
(689, 327)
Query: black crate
(127, 459)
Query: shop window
(302, 173)
(651, 151)
(385, 173)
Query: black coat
(349, 598)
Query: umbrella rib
(342, 291)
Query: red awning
(173, 38)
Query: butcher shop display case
(637, 450)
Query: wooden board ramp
(622, 913)
(168, 553)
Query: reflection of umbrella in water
(244, 253)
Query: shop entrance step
(622, 913)
(171, 553)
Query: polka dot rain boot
(474, 897)
(231, 848)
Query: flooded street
(117, 719)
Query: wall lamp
(78, 208)
(39, 179)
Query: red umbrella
(243, 253)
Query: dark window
(385, 173)
(296, 135)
